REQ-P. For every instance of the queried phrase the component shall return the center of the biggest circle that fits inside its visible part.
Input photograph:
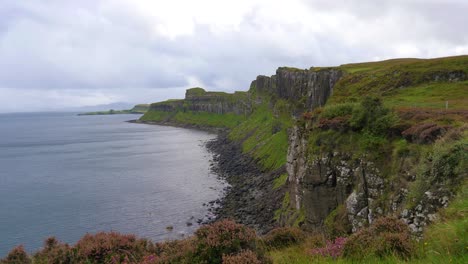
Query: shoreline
(249, 198)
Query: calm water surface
(65, 175)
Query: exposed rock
(310, 87)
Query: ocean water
(64, 175)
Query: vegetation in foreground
(387, 240)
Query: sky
(56, 54)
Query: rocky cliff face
(318, 185)
(199, 100)
(311, 88)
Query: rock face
(319, 184)
(199, 100)
(311, 88)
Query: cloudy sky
(59, 53)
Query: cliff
(338, 147)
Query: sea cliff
(339, 146)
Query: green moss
(157, 116)
(406, 82)
(228, 120)
(196, 91)
(264, 135)
(300, 218)
(280, 181)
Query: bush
(332, 249)
(284, 236)
(337, 224)
(223, 238)
(337, 110)
(245, 257)
(372, 117)
(386, 236)
(177, 251)
(54, 252)
(17, 256)
(110, 247)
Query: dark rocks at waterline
(250, 198)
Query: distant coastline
(137, 109)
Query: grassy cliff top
(422, 83)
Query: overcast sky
(59, 53)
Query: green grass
(431, 95)
(405, 82)
(280, 181)
(195, 118)
(264, 136)
(228, 120)
(157, 116)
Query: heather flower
(332, 249)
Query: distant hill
(136, 109)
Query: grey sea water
(65, 175)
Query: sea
(66, 175)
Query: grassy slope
(403, 83)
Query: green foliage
(228, 120)
(372, 117)
(337, 110)
(153, 115)
(337, 224)
(449, 236)
(284, 206)
(280, 181)
(196, 91)
(407, 82)
(444, 163)
(264, 135)
(283, 237)
(400, 148)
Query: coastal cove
(64, 175)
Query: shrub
(17, 256)
(332, 249)
(371, 116)
(245, 257)
(337, 110)
(104, 247)
(223, 238)
(284, 236)
(386, 236)
(177, 251)
(54, 252)
(337, 224)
